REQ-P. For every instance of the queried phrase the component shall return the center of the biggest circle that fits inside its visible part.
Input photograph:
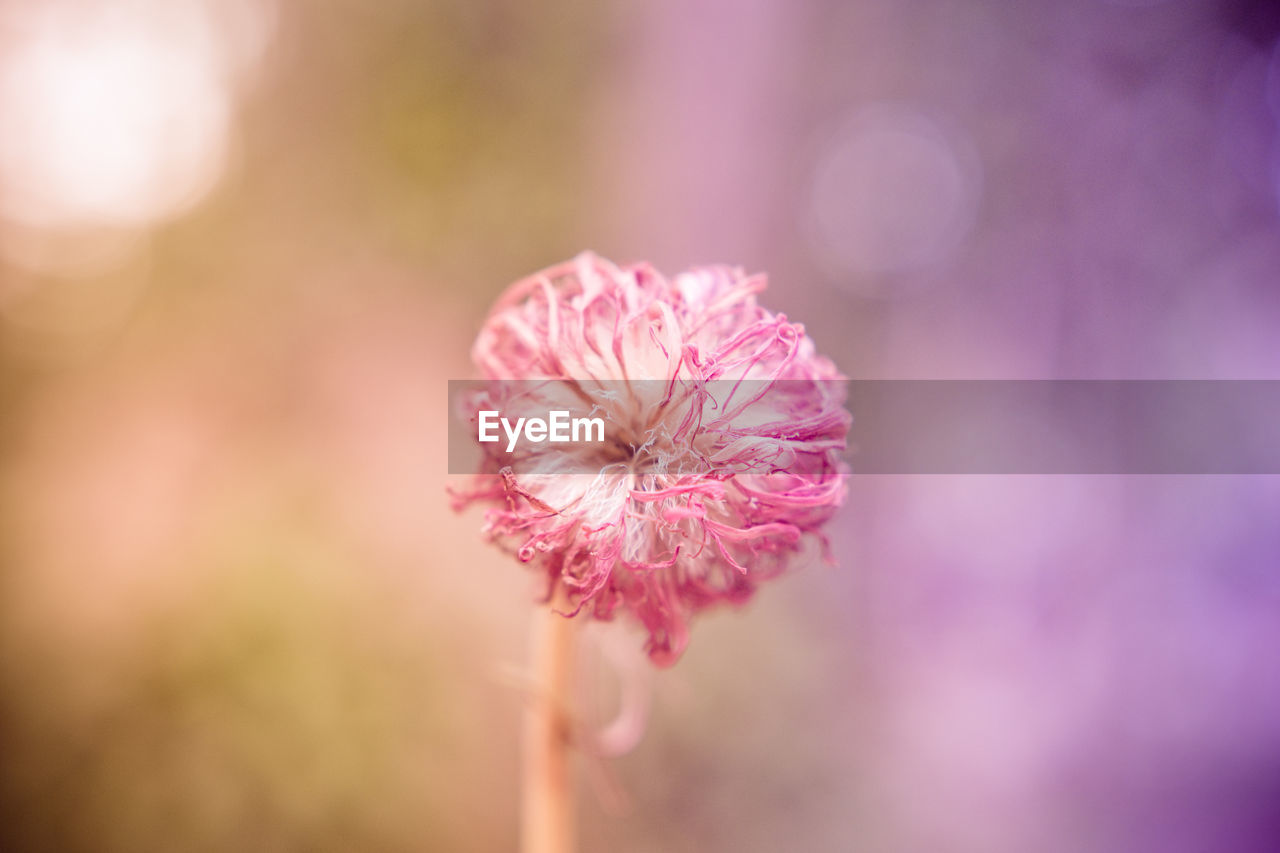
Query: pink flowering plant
(724, 450)
(709, 459)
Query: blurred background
(244, 244)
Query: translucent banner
(680, 427)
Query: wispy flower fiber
(726, 434)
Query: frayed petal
(741, 474)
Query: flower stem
(547, 823)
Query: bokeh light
(117, 115)
(893, 192)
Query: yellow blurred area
(236, 611)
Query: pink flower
(724, 457)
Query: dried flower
(724, 458)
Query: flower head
(725, 449)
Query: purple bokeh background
(235, 610)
